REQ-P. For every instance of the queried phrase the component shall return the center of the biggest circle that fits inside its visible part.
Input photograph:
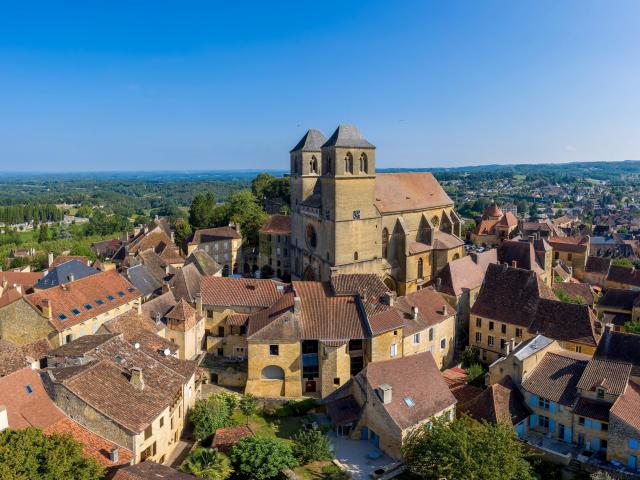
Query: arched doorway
(309, 274)
(273, 378)
(390, 283)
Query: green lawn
(267, 426)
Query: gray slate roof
(310, 142)
(347, 136)
(143, 279)
(61, 274)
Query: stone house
(185, 328)
(345, 218)
(382, 404)
(274, 246)
(156, 236)
(571, 251)
(623, 277)
(515, 304)
(80, 307)
(619, 306)
(494, 227)
(596, 271)
(130, 394)
(459, 282)
(223, 244)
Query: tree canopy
(466, 450)
(28, 453)
(261, 458)
(207, 463)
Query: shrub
(261, 458)
(210, 414)
(476, 374)
(207, 463)
(294, 408)
(332, 472)
(248, 405)
(311, 445)
(470, 356)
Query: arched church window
(348, 163)
(313, 165)
(385, 242)
(364, 163)
(355, 255)
(420, 268)
(311, 236)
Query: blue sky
(227, 85)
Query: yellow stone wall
(381, 346)
(288, 359)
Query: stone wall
(20, 324)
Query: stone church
(345, 218)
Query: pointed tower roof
(492, 211)
(182, 311)
(348, 136)
(310, 142)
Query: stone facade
(339, 223)
(274, 373)
(21, 323)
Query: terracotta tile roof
(625, 275)
(492, 211)
(104, 383)
(109, 287)
(592, 409)
(419, 190)
(501, 402)
(213, 235)
(60, 259)
(433, 309)
(36, 350)
(237, 319)
(245, 292)
(151, 470)
(131, 323)
(445, 241)
(569, 244)
(343, 410)
(556, 378)
(171, 255)
(156, 240)
(106, 248)
(425, 386)
(9, 296)
(577, 290)
(277, 224)
(12, 358)
(485, 227)
(620, 347)
(627, 406)
(566, 322)
(26, 279)
(466, 272)
(612, 376)
(182, 317)
(456, 378)
(276, 322)
(324, 316)
(508, 220)
(520, 254)
(508, 295)
(225, 438)
(597, 265)
(620, 298)
(27, 401)
(93, 445)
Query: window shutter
(587, 422)
(552, 425)
(552, 407)
(533, 420)
(533, 400)
(596, 425)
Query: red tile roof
(110, 288)
(214, 235)
(569, 244)
(225, 438)
(26, 279)
(396, 192)
(245, 292)
(612, 376)
(556, 378)
(501, 402)
(425, 386)
(627, 406)
(466, 272)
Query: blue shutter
(567, 435)
(533, 421)
(595, 444)
(596, 425)
(552, 425)
(587, 422)
(632, 462)
(633, 443)
(552, 407)
(533, 400)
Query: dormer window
(600, 392)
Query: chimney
(438, 283)
(173, 237)
(4, 418)
(199, 303)
(414, 311)
(297, 303)
(513, 344)
(444, 309)
(114, 455)
(158, 318)
(49, 259)
(136, 378)
(71, 277)
(139, 306)
(507, 348)
(389, 298)
(385, 391)
(514, 264)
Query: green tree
(470, 356)
(261, 458)
(181, 231)
(266, 271)
(311, 445)
(633, 326)
(28, 453)
(207, 463)
(622, 262)
(245, 210)
(210, 414)
(201, 210)
(248, 405)
(84, 211)
(466, 450)
(43, 234)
